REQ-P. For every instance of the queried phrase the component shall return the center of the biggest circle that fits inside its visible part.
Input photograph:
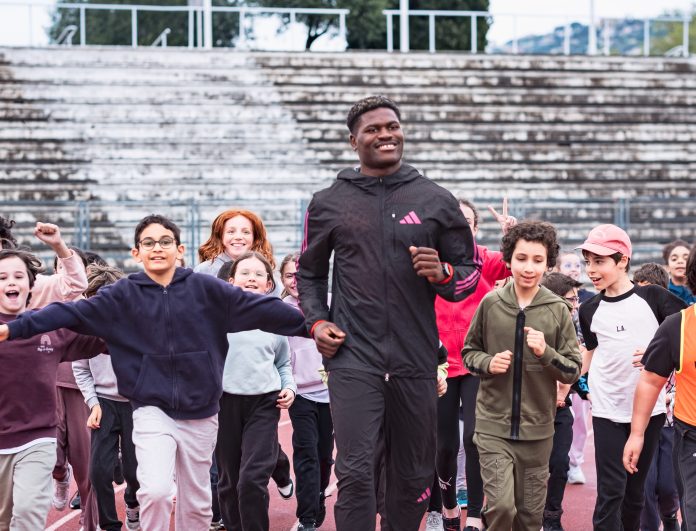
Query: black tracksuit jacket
(386, 310)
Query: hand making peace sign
(506, 222)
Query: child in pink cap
(617, 325)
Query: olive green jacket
(521, 403)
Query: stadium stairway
(575, 140)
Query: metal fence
(107, 226)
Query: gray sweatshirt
(95, 378)
(257, 363)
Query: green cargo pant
(514, 477)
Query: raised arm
(70, 280)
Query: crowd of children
(173, 379)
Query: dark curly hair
(369, 104)
(559, 283)
(32, 263)
(7, 241)
(531, 231)
(691, 270)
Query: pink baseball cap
(606, 240)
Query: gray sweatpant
(26, 487)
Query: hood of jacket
(369, 183)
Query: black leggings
(460, 389)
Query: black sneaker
(307, 526)
(287, 491)
(75, 502)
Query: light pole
(592, 37)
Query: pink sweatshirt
(305, 360)
(454, 318)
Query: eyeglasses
(573, 300)
(245, 273)
(148, 244)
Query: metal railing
(161, 39)
(200, 30)
(66, 36)
(605, 25)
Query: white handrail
(67, 35)
(161, 38)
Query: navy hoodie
(167, 344)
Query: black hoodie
(386, 310)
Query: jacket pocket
(154, 386)
(198, 383)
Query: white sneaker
(133, 518)
(433, 522)
(576, 476)
(61, 491)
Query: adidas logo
(424, 496)
(410, 219)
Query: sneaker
(61, 491)
(452, 524)
(552, 524)
(133, 518)
(576, 476)
(307, 526)
(287, 491)
(76, 502)
(462, 498)
(217, 525)
(433, 522)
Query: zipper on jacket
(170, 335)
(393, 228)
(385, 279)
(517, 376)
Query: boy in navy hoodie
(166, 330)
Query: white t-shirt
(615, 327)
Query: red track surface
(578, 503)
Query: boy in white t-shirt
(617, 325)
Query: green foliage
(667, 35)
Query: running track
(578, 503)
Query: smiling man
(397, 239)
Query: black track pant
(364, 407)
(312, 453)
(559, 462)
(620, 494)
(246, 453)
(116, 425)
(685, 471)
(460, 389)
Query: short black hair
(691, 270)
(225, 272)
(32, 263)
(369, 104)
(94, 258)
(559, 283)
(652, 273)
(671, 246)
(7, 240)
(157, 219)
(616, 257)
(532, 231)
(469, 204)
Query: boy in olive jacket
(521, 342)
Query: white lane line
(74, 514)
(329, 490)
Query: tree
(672, 33)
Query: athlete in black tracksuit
(382, 379)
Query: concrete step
(96, 57)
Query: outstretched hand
(49, 234)
(506, 221)
(426, 263)
(328, 338)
